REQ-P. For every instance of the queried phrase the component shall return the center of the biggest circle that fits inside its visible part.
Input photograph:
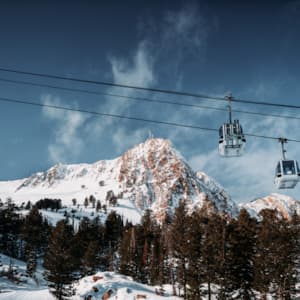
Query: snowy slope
(22, 283)
(284, 205)
(224, 202)
(122, 287)
(151, 175)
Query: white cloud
(178, 33)
(137, 71)
(123, 140)
(51, 113)
(67, 141)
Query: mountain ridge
(285, 205)
(152, 175)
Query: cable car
(287, 173)
(231, 138)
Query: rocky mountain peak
(160, 177)
(151, 175)
(284, 205)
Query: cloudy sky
(211, 47)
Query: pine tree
(157, 257)
(90, 260)
(178, 232)
(32, 232)
(277, 257)
(294, 228)
(86, 202)
(212, 250)
(10, 230)
(128, 253)
(28, 205)
(266, 251)
(145, 240)
(240, 256)
(139, 251)
(113, 231)
(31, 263)
(98, 206)
(287, 258)
(92, 200)
(88, 231)
(59, 263)
(194, 259)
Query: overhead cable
(151, 100)
(10, 100)
(165, 91)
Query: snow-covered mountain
(284, 205)
(150, 175)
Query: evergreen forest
(201, 255)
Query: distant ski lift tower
(287, 171)
(231, 138)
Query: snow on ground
(42, 294)
(22, 282)
(125, 209)
(121, 287)
(64, 182)
(118, 286)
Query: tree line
(201, 255)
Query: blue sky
(250, 49)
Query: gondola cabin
(231, 139)
(287, 174)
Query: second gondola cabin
(287, 174)
(231, 139)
